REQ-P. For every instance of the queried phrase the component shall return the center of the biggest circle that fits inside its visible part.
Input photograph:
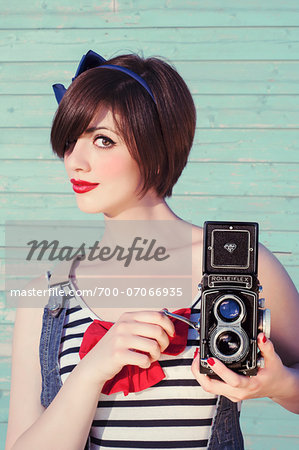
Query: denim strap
(52, 328)
(226, 432)
(48, 352)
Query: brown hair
(158, 136)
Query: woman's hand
(137, 338)
(271, 381)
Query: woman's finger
(146, 330)
(227, 375)
(153, 317)
(145, 345)
(234, 391)
(230, 377)
(267, 350)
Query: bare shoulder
(197, 235)
(282, 299)
(197, 243)
(30, 307)
(271, 272)
(25, 406)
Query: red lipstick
(80, 186)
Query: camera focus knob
(260, 362)
(261, 303)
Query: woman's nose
(77, 159)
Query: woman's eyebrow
(93, 129)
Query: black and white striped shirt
(175, 413)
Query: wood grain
(240, 60)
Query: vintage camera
(232, 314)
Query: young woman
(124, 129)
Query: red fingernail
(210, 361)
(195, 353)
(264, 339)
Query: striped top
(175, 413)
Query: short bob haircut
(158, 136)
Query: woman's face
(100, 156)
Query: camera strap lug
(194, 325)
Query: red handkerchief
(133, 378)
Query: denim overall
(225, 433)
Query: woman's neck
(150, 207)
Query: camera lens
(228, 343)
(229, 309)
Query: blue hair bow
(92, 60)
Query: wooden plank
(272, 410)
(245, 145)
(238, 178)
(7, 315)
(271, 213)
(5, 370)
(191, 43)
(202, 178)
(4, 405)
(3, 431)
(268, 426)
(276, 240)
(285, 243)
(6, 332)
(231, 145)
(285, 247)
(276, 213)
(202, 77)
(137, 13)
(289, 260)
(213, 111)
(270, 442)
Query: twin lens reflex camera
(232, 314)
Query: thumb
(267, 348)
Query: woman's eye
(103, 142)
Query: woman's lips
(80, 186)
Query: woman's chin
(89, 208)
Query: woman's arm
(282, 299)
(279, 379)
(66, 423)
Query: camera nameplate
(242, 281)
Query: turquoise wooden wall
(240, 59)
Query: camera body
(232, 314)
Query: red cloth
(133, 378)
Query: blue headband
(92, 60)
